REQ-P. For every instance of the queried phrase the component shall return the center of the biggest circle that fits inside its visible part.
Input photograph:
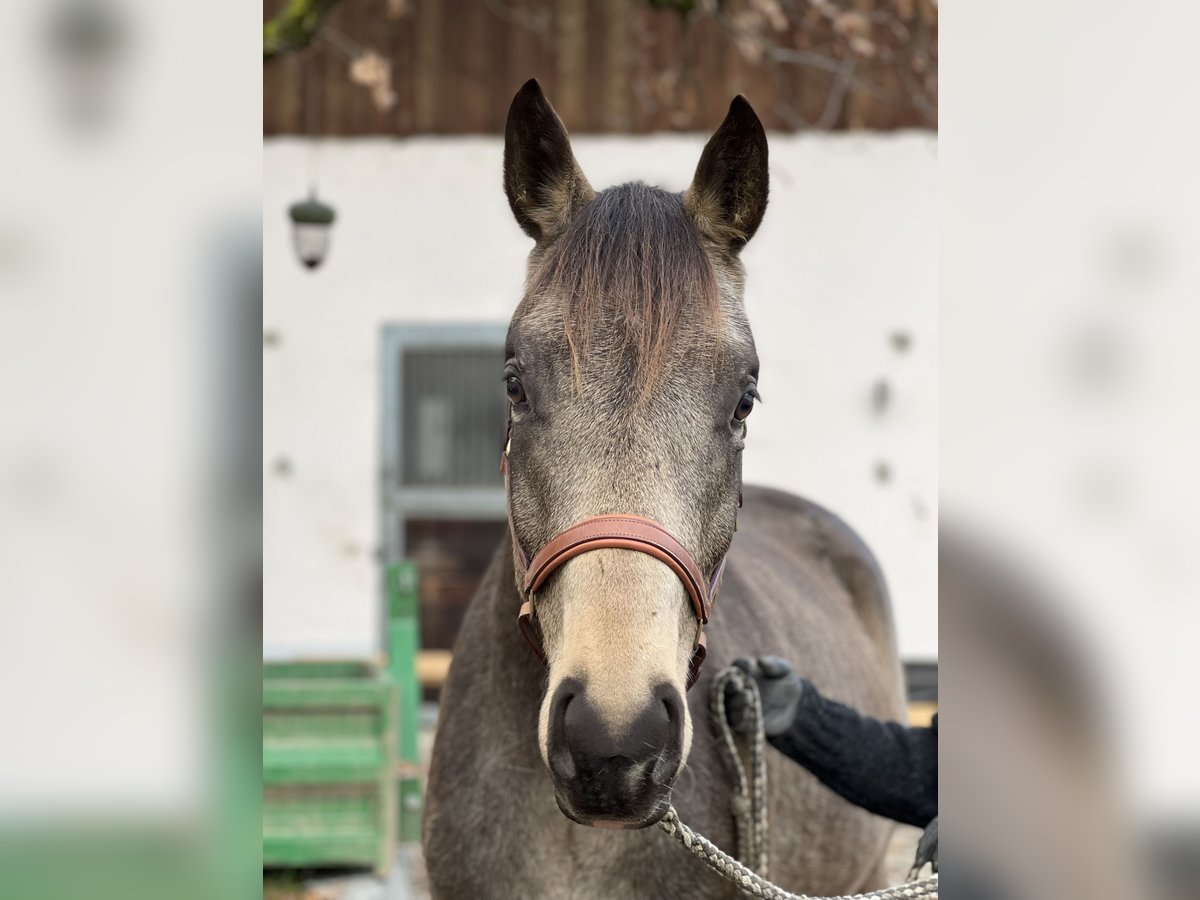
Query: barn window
(442, 496)
(452, 415)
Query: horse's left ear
(728, 195)
(544, 183)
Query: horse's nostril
(674, 704)
(561, 761)
(667, 764)
(563, 696)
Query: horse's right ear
(728, 195)
(544, 183)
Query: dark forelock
(630, 264)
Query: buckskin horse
(630, 372)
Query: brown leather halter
(621, 531)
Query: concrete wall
(847, 256)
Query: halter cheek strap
(621, 532)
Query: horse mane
(630, 266)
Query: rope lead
(750, 812)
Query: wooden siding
(608, 66)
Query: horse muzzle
(614, 775)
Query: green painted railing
(404, 635)
(340, 749)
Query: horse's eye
(745, 406)
(512, 387)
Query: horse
(630, 373)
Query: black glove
(927, 850)
(780, 690)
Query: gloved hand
(927, 850)
(779, 688)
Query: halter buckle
(529, 629)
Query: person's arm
(884, 767)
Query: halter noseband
(621, 532)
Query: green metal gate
(340, 749)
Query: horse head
(630, 371)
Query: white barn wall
(846, 255)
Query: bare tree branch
(883, 37)
(837, 95)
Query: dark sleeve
(884, 767)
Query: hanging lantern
(311, 220)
